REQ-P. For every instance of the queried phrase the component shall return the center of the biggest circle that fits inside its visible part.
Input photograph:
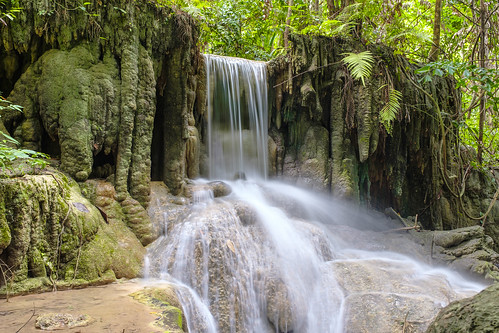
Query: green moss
(5, 235)
(170, 317)
(55, 230)
(476, 314)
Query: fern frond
(360, 64)
(391, 109)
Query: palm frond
(391, 109)
(360, 64)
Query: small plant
(360, 65)
(391, 109)
(9, 152)
(8, 10)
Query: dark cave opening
(50, 145)
(104, 165)
(157, 147)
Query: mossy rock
(164, 299)
(476, 314)
(58, 238)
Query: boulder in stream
(475, 314)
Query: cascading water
(237, 117)
(270, 257)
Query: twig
(32, 315)
(415, 227)
(8, 282)
(405, 322)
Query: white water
(271, 257)
(237, 117)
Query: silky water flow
(271, 257)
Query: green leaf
(359, 64)
(391, 109)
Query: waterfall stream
(270, 257)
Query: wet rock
(164, 299)
(455, 237)
(382, 297)
(309, 167)
(165, 209)
(240, 176)
(281, 311)
(475, 314)
(389, 312)
(247, 214)
(59, 321)
(192, 153)
(219, 188)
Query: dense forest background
(457, 38)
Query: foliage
(360, 65)
(9, 153)
(474, 82)
(389, 112)
(8, 10)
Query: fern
(360, 65)
(391, 109)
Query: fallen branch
(416, 226)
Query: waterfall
(237, 106)
(270, 257)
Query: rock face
(475, 314)
(467, 249)
(327, 134)
(53, 237)
(94, 83)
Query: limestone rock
(468, 250)
(281, 310)
(57, 233)
(93, 87)
(58, 321)
(479, 313)
(103, 195)
(165, 300)
(219, 188)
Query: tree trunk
(481, 62)
(435, 47)
(288, 21)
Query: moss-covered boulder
(53, 236)
(169, 310)
(103, 195)
(476, 314)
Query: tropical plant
(8, 10)
(360, 65)
(9, 151)
(392, 107)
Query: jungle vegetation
(457, 38)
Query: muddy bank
(110, 306)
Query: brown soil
(110, 307)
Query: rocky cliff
(94, 80)
(327, 133)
